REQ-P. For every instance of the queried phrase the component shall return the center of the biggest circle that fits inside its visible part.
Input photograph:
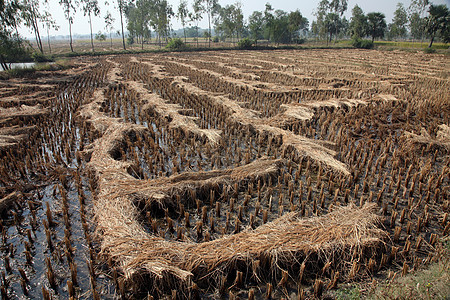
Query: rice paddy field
(254, 175)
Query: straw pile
(24, 112)
(305, 111)
(163, 191)
(441, 142)
(286, 242)
(12, 136)
(172, 112)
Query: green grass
(60, 64)
(431, 282)
(411, 45)
(348, 293)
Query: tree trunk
(70, 34)
(209, 24)
(335, 33)
(48, 40)
(431, 41)
(110, 37)
(121, 24)
(92, 39)
(38, 38)
(196, 28)
(184, 30)
(36, 30)
(3, 63)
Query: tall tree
(196, 15)
(49, 22)
(417, 22)
(331, 25)
(296, 23)
(256, 25)
(319, 27)
(11, 45)
(358, 23)
(161, 21)
(416, 25)
(69, 7)
(238, 18)
(399, 22)
(122, 5)
(140, 16)
(338, 7)
(438, 23)
(182, 14)
(377, 25)
(90, 7)
(230, 21)
(280, 26)
(31, 16)
(109, 21)
(211, 8)
(419, 6)
(269, 19)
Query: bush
(362, 44)
(298, 41)
(246, 43)
(15, 49)
(429, 50)
(176, 44)
(215, 39)
(39, 57)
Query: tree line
(147, 19)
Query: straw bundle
(305, 111)
(441, 142)
(172, 112)
(163, 191)
(12, 136)
(283, 243)
(24, 111)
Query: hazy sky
(307, 8)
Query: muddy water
(25, 250)
(14, 246)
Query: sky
(307, 8)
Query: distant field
(84, 45)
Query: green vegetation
(61, 64)
(246, 43)
(348, 293)
(438, 23)
(429, 50)
(407, 45)
(329, 21)
(398, 27)
(176, 44)
(377, 25)
(149, 22)
(432, 282)
(362, 44)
